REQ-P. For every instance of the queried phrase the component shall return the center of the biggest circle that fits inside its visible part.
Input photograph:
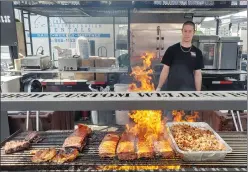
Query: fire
(180, 116)
(134, 168)
(142, 74)
(148, 123)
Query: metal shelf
(116, 8)
(218, 100)
(91, 70)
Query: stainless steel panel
(229, 53)
(68, 64)
(4, 125)
(209, 46)
(187, 100)
(210, 54)
(41, 62)
(145, 38)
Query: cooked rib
(33, 137)
(126, 147)
(144, 150)
(15, 146)
(108, 145)
(162, 147)
(78, 138)
(65, 156)
(43, 155)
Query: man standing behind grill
(182, 64)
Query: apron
(179, 79)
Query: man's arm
(163, 76)
(198, 79)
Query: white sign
(5, 19)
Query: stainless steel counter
(217, 100)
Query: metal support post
(129, 34)
(24, 32)
(4, 125)
(49, 36)
(37, 120)
(217, 26)
(114, 35)
(234, 120)
(30, 33)
(27, 120)
(239, 120)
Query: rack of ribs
(78, 138)
(67, 155)
(15, 146)
(162, 147)
(126, 147)
(144, 150)
(43, 155)
(108, 145)
(33, 137)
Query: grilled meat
(68, 155)
(108, 145)
(15, 146)
(78, 138)
(144, 150)
(33, 137)
(126, 147)
(162, 147)
(43, 155)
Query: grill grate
(90, 160)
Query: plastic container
(83, 47)
(121, 117)
(199, 155)
(102, 117)
(10, 84)
(121, 87)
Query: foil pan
(198, 155)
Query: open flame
(140, 167)
(180, 116)
(148, 123)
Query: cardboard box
(85, 76)
(101, 77)
(20, 39)
(67, 75)
(104, 62)
(88, 62)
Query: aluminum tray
(198, 155)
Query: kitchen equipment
(229, 53)
(199, 155)
(69, 64)
(10, 84)
(36, 62)
(158, 37)
(208, 44)
(83, 47)
(89, 159)
(218, 52)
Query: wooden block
(104, 62)
(85, 76)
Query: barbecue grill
(89, 160)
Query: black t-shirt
(183, 62)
